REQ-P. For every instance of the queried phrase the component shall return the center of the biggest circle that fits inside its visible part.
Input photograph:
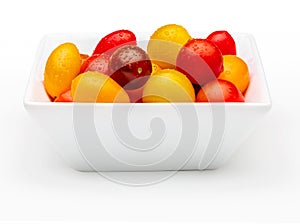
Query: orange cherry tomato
(235, 71)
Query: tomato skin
(84, 57)
(220, 91)
(96, 62)
(236, 71)
(64, 97)
(114, 40)
(135, 95)
(200, 60)
(86, 62)
(224, 42)
(130, 66)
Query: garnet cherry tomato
(200, 60)
(112, 41)
(130, 66)
(224, 42)
(220, 91)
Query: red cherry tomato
(64, 97)
(200, 60)
(224, 42)
(220, 91)
(112, 41)
(96, 62)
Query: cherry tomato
(200, 60)
(96, 62)
(220, 91)
(114, 40)
(130, 66)
(235, 71)
(224, 42)
(135, 95)
(64, 97)
(83, 57)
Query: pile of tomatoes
(208, 69)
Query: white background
(260, 183)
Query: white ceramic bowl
(143, 137)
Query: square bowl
(146, 136)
